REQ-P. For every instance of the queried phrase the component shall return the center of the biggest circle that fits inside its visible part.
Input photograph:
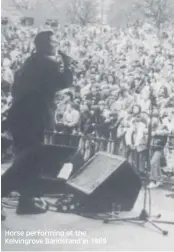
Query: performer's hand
(66, 61)
(65, 58)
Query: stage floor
(92, 234)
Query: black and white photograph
(87, 125)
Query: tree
(117, 13)
(82, 12)
(157, 12)
(25, 4)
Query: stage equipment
(103, 181)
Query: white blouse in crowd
(71, 117)
(14, 54)
(136, 136)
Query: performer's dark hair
(42, 36)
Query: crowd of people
(121, 77)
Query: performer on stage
(30, 115)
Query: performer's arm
(66, 76)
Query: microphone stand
(144, 216)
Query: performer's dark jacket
(33, 94)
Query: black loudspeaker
(105, 181)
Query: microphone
(68, 57)
(62, 53)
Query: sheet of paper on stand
(66, 171)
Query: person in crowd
(136, 138)
(86, 121)
(101, 125)
(159, 134)
(7, 73)
(71, 119)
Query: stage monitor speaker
(105, 181)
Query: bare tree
(158, 12)
(25, 4)
(82, 12)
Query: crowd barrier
(89, 145)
